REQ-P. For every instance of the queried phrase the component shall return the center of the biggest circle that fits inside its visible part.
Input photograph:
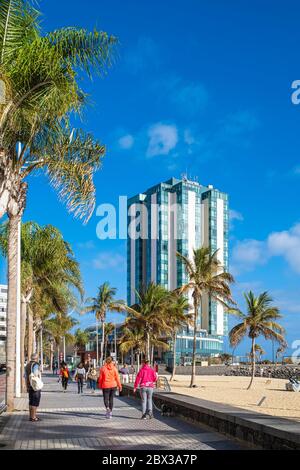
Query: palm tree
(205, 276)
(259, 351)
(58, 327)
(150, 314)
(178, 319)
(108, 329)
(81, 338)
(279, 352)
(225, 357)
(48, 272)
(40, 73)
(133, 340)
(100, 305)
(260, 319)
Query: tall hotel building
(181, 215)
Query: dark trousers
(80, 384)
(108, 397)
(64, 382)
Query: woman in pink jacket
(146, 379)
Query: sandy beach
(233, 390)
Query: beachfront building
(3, 314)
(178, 215)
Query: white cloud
(162, 139)
(235, 215)
(109, 260)
(126, 141)
(287, 245)
(248, 254)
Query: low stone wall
(278, 372)
(201, 370)
(255, 429)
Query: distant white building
(3, 316)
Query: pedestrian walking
(109, 382)
(124, 371)
(80, 376)
(146, 379)
(92, 378)
(87, 367)
(54, 367)
(34, 386)
(65, 376)
(131, 373)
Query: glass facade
(181, 215)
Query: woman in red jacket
(109, 381)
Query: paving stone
(69, 421)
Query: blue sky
(204, 88)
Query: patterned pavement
(70, 421)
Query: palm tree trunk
(253, 363)
(12, 275)
(34, 340)
(132, 357)
(105, 348)
(193, 375)
(148, 347)
(37, 341)
(51, 356)
(23, 329)
(138, 361)
(97, 342)
(41, 349)
(174, 357)
(29, 334)
(102, 343)
(152, 355)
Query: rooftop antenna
(184, 176)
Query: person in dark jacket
(34, 395)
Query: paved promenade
(70, 421)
